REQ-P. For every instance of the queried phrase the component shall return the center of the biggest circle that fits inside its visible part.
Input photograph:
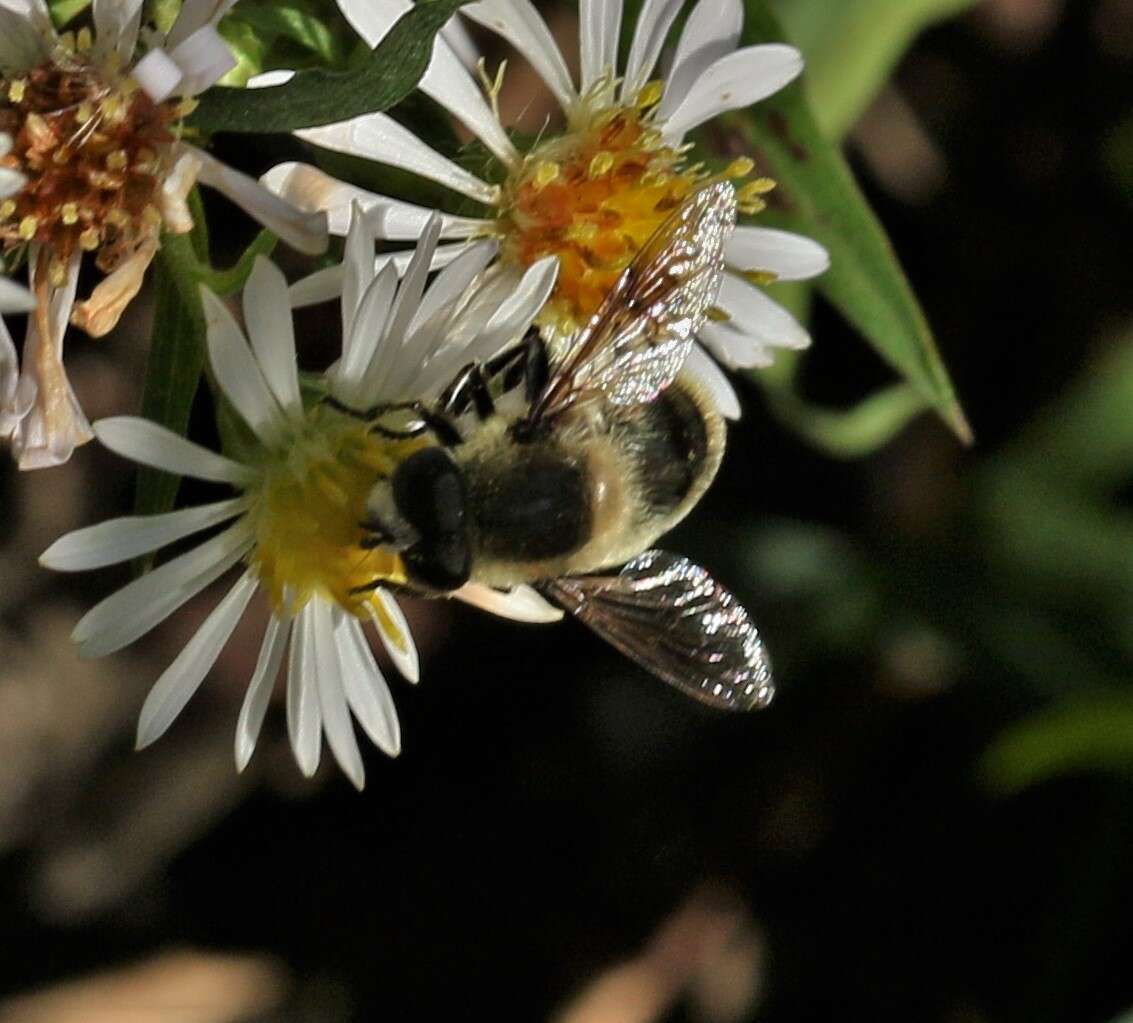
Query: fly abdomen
(672, 447)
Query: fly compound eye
(441, 563)
(429, 492)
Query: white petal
(348, 382)
(734, 347)
(791, 257)
(447, 80)
(193, 15)
(54, 425)
(149, 444)
(392, 219)
(653, 24)
(711, 32)
(267, 313)
(404, 306)
(522, 26)
(10, 182)
(380, 138)
(16, 395)
(136, 608)
(116, 26)
(734, 82)
(175, 189)
(158, 75)
(277, 76)
(752, 312)
(332, 697)
(304, 719)
(366, 689)
(325, 284)
(508, 323)
(117, 540)
(357, 270)
(460, 42)
(443, 295)
(204, 59)
(258, 696)
(15, 298)
(237, 372)
(523, 604)
(398, 643)
(599, 24)
(304, 231)
(21, 46)
(183, 677)
(714, 380)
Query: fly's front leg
(469, 388)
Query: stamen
(602, 164)
(650, 94)
(545, 172)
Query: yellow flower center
(594, 196)
(308, 509)
(95, 150)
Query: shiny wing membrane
(671, 617)
(637, 341)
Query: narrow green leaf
(1086, 734)
(228, 282)
(853, 432)
(817, 196)
(852, 46)
(176, 358)
(316, 97)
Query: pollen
(545, 172)
(593, 197)
(307, 514)
(94, 149)
(650, 95)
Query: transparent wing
(637, 341)
(671, 617)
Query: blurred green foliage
(852, 47)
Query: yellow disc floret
(308, 509)
(595, 195)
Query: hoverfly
(609, 446)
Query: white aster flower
(294, 523)
(94, 124)
(592, 194)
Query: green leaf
(247, 46)
(849, 433)
(1094, 734)
(817, 196)
(289, 21)
(228, 282)
(63, 11)
(852, 46)
(176, 358)
(316, 97)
